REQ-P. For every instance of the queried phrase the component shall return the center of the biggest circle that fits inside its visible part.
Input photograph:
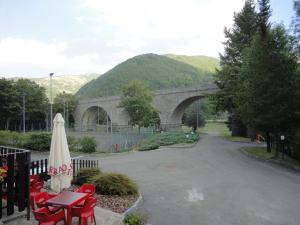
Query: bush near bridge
(168, 138)
(41, 141)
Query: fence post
(73, 161)
(1, 187)
(21, 178)
(27, 182)
(42, 166)
(10, 184)
(46, 165)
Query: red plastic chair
(87, 188)
(86, 211)
(34, 179)
(46, 218)
(40, 201)
(35, 189)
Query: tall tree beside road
(267, 95)
(136, 99)
(228, 77)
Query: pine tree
(266, 99)
(228, 77)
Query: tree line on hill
(259, 77)
(24, 98)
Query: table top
(67, 198)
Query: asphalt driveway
(212, 183)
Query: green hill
(202, 63)
(67, 83)
(156, 71)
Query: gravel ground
(118, 204)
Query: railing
(41, 166)
(15, 186)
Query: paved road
(211, 184)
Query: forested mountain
(156, 71)
(202, 63)
(67, 83)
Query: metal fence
(115, 141)
(41, 166)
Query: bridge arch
(177, 111)
(94, 117)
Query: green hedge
(41, 141)
(14, 139)
(167, 138)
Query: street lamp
(282, 144)
(64, 98)
(24, 119)
(51, 101)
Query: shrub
(86, 175)
(135, 219)
(115, 184)
(73, 143)
(88, 144)
(148, 146)
(39, 142)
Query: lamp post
(282, 145)
(64, 97)
(24, 118)
(51, 101)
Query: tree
(136, 100)
(228, 77)
(65, 104)
(194, 115)
(8, 102)
(35, 100)
(266, 98)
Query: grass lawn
(221, 129)
(260, 152)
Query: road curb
(271, 160)
(182, 146)
(135, 206)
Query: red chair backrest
(36, 187)
(35, 177)
(87, 188)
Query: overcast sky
(91, 36)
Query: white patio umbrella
(60, 164)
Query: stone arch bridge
(170, 103)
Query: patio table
(67, 199)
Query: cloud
(169, 20)
(37, 57)
(104, 33)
